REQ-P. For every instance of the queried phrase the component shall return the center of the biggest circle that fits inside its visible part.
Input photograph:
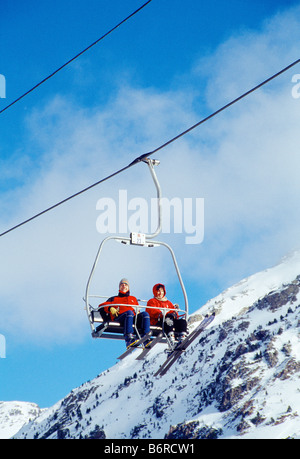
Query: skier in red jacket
(172, 321)
(113, 310)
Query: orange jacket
(117, 300)
(156, 314)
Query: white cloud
(244, 163)
(249, 57)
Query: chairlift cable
(141, 158)
(64, 201)
(75, 57)
(146, 155)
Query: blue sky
(171, 65)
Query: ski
(136, 344)
(150, 346)
(175, 354)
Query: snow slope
(13, 415)
(237, 299)
(240, 379)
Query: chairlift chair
(114, 330)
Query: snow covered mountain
(239, 379)
(13, 415)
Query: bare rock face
(192, 431)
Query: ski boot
(130, 340)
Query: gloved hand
(169, 320)
(114, 311)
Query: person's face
(124, 288)
(160, 293)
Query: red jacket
(117, 300)
(156, 314)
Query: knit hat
(124, 281)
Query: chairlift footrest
(99, 330)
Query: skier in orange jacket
(113, 310)
(172, 321)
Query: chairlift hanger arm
(151, 163)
